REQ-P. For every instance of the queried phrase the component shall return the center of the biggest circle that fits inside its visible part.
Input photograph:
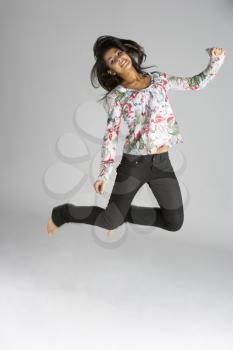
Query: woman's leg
(165, 187)
(130, 178)
(123, 192)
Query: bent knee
(176, 221)
(176, 224)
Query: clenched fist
(99, 186)
(215, 51)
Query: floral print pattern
(148, 114)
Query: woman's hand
(215, 51)
(99, 186)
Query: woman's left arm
(199, 81)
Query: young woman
(141, 99)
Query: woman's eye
(112, 61)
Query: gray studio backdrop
(52, 129)
(49, 113)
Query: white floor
(76, 290)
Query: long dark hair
(99, 70)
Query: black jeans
(133, 171)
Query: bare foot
(109, 233)
(51, 227)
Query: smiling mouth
(124, 63)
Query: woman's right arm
(110, 139)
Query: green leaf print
(131, 145)
(173, 128)
(141, 144)
(119, 95)
(196, 80)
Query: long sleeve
(110, 139)
(198, 81)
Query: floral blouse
(148, 114)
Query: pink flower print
(134, 94)
(112, 132)
(137, 134)
(108, 161)
(142, 99)
(105, 163)
(116, 129)
(165, 83)
(171, 118)
(128, 108)
(146, 129)
(159, 119)
(143, 113)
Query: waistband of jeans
(157, 156)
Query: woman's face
(117, 60)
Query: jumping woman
(141, 99)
